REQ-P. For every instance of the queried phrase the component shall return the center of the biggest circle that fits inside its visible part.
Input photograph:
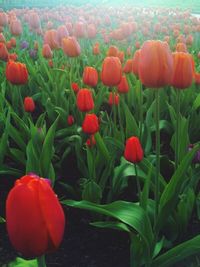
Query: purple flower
(33, 54)
(24, 45)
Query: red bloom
(16, 72)
(29, 104)
(34, 217)
(75, 87)
(90, 124)
(91, 141)
(70, 120)
(90, 76)
(123, 86)
(113, 99)
(84, 100)
(133, 150)
(111, 71)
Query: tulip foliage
(105, 103)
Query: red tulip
(84, 100)
(75, 87)
(111, 71)
(155, 64)
(70, 120)
(135, 62)
(123, 86)
(90, 142)
(16, 72)
(113, 99)
(182, 71)
(95, 49)
(90, 124)
(133, 151)
(34, 217)
(29, 104)
(128, 66)
(90, 76)
(3, 52)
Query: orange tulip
(13, 41)
(46, 51)
(95, 49)
(16, 73)
(112, 51)
(71, 47)
(197, 78)
(90, 76)
(62, 32)
(182, 76)
(181, 47)
(155, 64)
(111, 71)
(50, 38)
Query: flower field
(100, 121)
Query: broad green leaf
(126, 212)
(112, 225)
(178, 253)
(170, 195)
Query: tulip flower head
(133, 150)
(90, 124)
(34, 217)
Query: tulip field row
(105, 103)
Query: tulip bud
(133, 151)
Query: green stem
(41, 261)
(177, 128)
(140, 112)
(138, 183)
(157, 185)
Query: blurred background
(193, 5)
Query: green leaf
(112, 225)
(131, 124)
(47, 150)
(2, 220)
(170, 195)
(178, 253)
(102, 147)
(126, 212)
(92, 192)
(19, 262)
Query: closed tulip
(111, 71)
(133, 150)
(155, 64)
(3, 19)
(29, 104)
(46, 51)
(84, 100)
(62, 32)
(90, 76)
(51, 39)
(181, 47)
(90, 124)
(34, 217)
(16, 27)
(123, 86)
(95, 49)
(71, 47)
(182, 76)
(16, 73)
(70, 120)
(3, 52)
(128, 66)
(135, 62)
(113, 99)
(75, 87)
(112, 51)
